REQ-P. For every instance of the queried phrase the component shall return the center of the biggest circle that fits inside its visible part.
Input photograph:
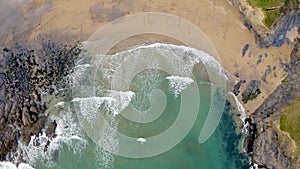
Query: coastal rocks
(8, 141)
(236, 89)
(266, 73)
(259, 60)
(26, 117)
(251, 92)
(271, 149)
(25, 77)
(295, 55)
(244, 50)
(265, 37)
(50, 131)
(281, 26)
(271, 153)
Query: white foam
(141, 140)
(60, 104)
(239, 106)
(9, 165)
(253, 165)
(107, 145)
(178, 84)
(123, 98)
(114, 102)
(89, 107)
(180, 60)
(68, 133)
(78, 74)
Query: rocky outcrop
(236, 88)
(25, 75)
(252, 91)
(270, 148)
(50, 132)
(276, 34)
(266, 73)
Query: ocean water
(141, 93)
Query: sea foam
(178, 84)
(9, 165)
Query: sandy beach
(219, 20)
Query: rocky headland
(275, 35)
(268, 146)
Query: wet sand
(219, 20)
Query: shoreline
(228, 35)
(220, 21)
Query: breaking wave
(177, 84)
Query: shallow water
(220, 151)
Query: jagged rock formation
(269, 147)
(25, 75)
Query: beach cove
(240, 57)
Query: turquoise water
(220, 151)
(81, 125)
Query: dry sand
(219, 20)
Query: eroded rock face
(270, 148)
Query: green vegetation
(284, 82)
(252, 96)
(290, 121)
(274, 8)
(271, 16)
(266, 3)
(271, 9)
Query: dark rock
(33, 109)
(236, 89)
(25, 136)
(50, 131)
(258, 61)
(38, 126)
(277, 35)
(244, 50)
(237, 74)
(26, 117)
(251, 92)
(266, 73)
(295, 55)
